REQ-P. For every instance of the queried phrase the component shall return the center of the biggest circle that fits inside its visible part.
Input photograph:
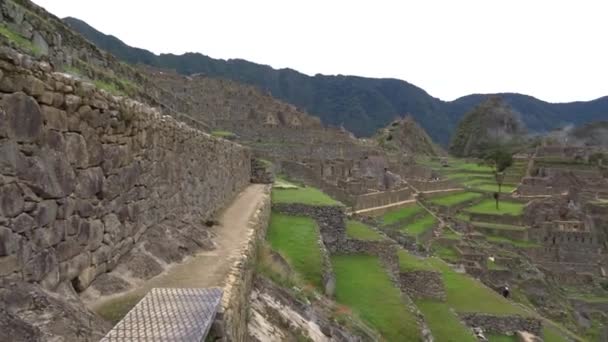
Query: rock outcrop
(406, 137)
(490, 124)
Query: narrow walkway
(209, 268)
(387, 206)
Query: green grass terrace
(455, 198)
(363, 285)
(419, 226)
(296, 239)
(360, 231)
(401, 214)
(505, 208)
(288, 192)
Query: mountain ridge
(362, 105)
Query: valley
(120, 180)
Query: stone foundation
(502, 324)
(85, 177)
(422, 284)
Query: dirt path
(205, 269)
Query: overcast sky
(551, 49)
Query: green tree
(500, 159)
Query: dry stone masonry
(85, 176)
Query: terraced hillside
(385, 279)
(504, 245)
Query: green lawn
(445, 252)
(445, 326)
(295, 238)
(498, 226)
(419, 226)
(409, 262)
(453, 199)
(551, 334)
(305, 195)
(461, 165)
(501, 338)
(460, 289)
(358, 230)
(457, 175)
(517, 243)
(363, 285)
(505, 207)
(494, 187)
(223, 134)
(400, 214)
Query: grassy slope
(362, 284)
(296, 239)
(452, 199)
(505, 207)
(444, 324)
(419, 226)
(358, 230)
(305, 195)
(400, 214)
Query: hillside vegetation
(362, 105)
(490, 124)
(405, 136)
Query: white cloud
(554, 50)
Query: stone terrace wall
(503, 324)
(231, 321)
(423, 186)
(331, 221)
(84, 174)
(303, 173)
(56, 42)
(422, 284)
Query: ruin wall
(84, 174)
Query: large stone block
(21, 116)
(96, 231)
(9, 242)
(72, 268)
(49, 175)
(101, 255)
(33, 86)
(45, 212)
(68, 249)
(113, 228)
(9, 154)
(11, 200)
(40, 265)
(44, 237)
(23, 223)
(8, 265)
(55, 118)
(76, 149)
(90, 182)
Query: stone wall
(502, 324)
(423, 186)
(331, 221)
(500, 219)
(231, 320)
(84, 174)
(56, 42)
(422, 284)
(385, 250)
(303, 173)
(261, 171)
